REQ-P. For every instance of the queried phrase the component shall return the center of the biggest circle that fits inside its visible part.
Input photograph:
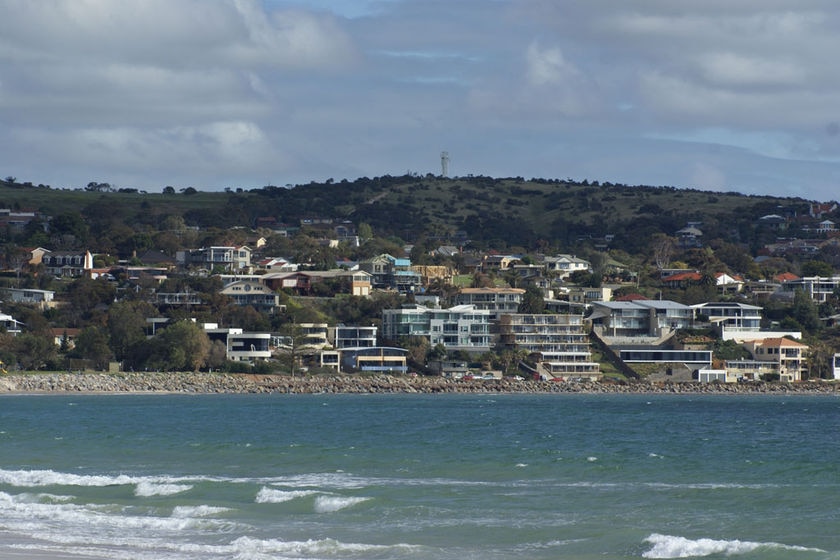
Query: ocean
(417, 477)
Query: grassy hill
(493, 212)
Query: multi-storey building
(818, 288)
(392, 273)
(350, 336)
(255, 294)
(640, 318)
(560, 342)
(495, 300)
(462, 327)
(227, 258)
(788, 356)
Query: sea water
(419, 477)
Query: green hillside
(508, 212)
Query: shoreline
(228, 383)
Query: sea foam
(668, 546)
(275, 496)
(145, 489)
(329, 504)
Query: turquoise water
(419, 477)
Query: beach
(209, 383)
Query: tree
(183, 346)
(92, 344)
(804, 311)
(817, 268)
(126, 325)
(533, 301)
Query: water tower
(444, 164)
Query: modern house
(239, 345)
(10, 325)
(497, 301)
(350, 336)
(559, 342)
(392, 273)
(462, 327)
(210, 258)
(640, 318)
(730, 316)
(255, 294)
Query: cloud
(239, 92)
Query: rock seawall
(207, 383)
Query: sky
(714, 95)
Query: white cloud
(241, 92)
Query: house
(495, 300)
(392, 273)
(560, 343)
(640, 318)
(350, 336)
(820, 209)
(689, 237)
(581, 295)
(257, 295)
(787, 356)
(31, 296)
(277, 264)
(227, 258)
(728, 284)
(66, 264)
(772, 221)
(353, 282)
(562, 266)
(498, 263)
(378, 359)
(462, 327)
(818, 288)
(682, 279)
(730, 317)
(10, 325)
(826, 226)
(65, 337)
(239, 345)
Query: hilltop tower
(444, 164)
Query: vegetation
(608, 224)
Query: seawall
(204, 383)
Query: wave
(276, 496)
(197, 511)
(145, 489)
(667, 546)
(248, 547)
(330, 504)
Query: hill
(492, 212)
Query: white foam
(145, 489)
(248, 547)
(197, 511)
(330, 504)
(667, 546)
(276, 496)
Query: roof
(492, 291)
(683, 276)
(786, 277)
(780, 342)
